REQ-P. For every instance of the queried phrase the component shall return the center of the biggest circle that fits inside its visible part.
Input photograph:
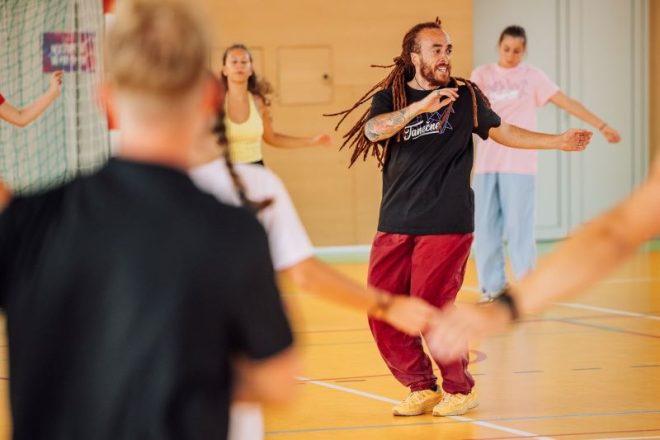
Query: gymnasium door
(596, 50)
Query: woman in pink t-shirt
(504, 179)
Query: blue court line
(452, 422)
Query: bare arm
(591, 253)
(595, 249)
(575, 108)
(411, 315)
(386, 125)
(281, 140)
(516, 137)
(22, 117)
(271, 380)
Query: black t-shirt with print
(426, 177)
(127, 294)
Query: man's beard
(427, 73)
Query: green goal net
(71, 136)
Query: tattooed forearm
(384, 126)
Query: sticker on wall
(69, 51)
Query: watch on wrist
(507, 300)
(383, 303)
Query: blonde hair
(156, 47)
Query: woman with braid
(419, 127)
(260, 190)
(505, 179)
(247, 111)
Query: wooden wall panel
(304, 75)
(338, 206)
(654, 76)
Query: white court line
(458, 418)
(606, 281)
(630, 280)
(610, 311)
(599, 309)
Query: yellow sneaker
(456, 404)
(417, 402)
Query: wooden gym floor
(588, 368)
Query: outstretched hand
(574, 139)
(409, 314)
(610, 134)
(322, 140)
(452, 328)
(56, 81)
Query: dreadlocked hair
(220, 131)
(403, 70)
(256, 86)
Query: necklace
(421, 86)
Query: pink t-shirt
(514, 95)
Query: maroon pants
(431, 267)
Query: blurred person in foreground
(136, 304)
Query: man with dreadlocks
(420, 127)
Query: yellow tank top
(245, 138)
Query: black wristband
(509, 302)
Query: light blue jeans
(504, 211)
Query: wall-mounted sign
(69, 51)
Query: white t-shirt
(287, 238)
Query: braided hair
(220, 131)
(403, 70)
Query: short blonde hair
(156, 47)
